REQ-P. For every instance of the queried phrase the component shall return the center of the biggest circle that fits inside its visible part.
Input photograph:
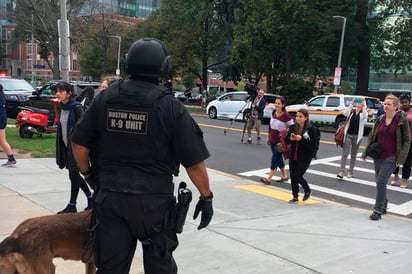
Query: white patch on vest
(127, 121)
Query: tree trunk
(364, 58)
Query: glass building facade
(129, 8)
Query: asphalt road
(229, 155)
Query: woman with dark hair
(70, 112)
(279, 121)
(5, 146)
(303, 140)
(406, 167)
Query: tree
(364, 47)
(392, 41)
(197, 33)
(98, 47)
(282, 39)
(40, 17)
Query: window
(239, 97)
(347, 100)
(333, 102)
(317, 102)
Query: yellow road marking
(273, 193)
(261, 133)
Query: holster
(184, 197)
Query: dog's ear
(9, 245)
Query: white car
(234, 105)
(328, 109)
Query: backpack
(317, 131)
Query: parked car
(327, 110)
(234, 105)
(180, 95)
(16, 92)
(41, 98)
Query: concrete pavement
(254, 229)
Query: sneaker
(306, 196)
(294, 200)
(340, 175)
(375, 216)
(249, 141)
(258, 139)
(350, 174)
(69, 209)
(10, 163)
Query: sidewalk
(250, 232)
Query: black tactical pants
(122, 219)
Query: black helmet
(148, 57)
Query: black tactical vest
(135, 138)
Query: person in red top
(303, 139)
(280, 120)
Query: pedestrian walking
(129, 144)
(69, 113)
(405, 101)
(303, 139)
(391, 132)
(356, 115)
(279, 121)
(5, 146)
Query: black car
(41, 97)
(16, 92)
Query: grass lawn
(44, 147)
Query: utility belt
(134, 181)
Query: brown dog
(31, 247)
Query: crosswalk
(404, 208)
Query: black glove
(206, 207)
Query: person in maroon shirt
(391, 130)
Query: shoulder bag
(340, 133)
(374, 150)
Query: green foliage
(286, 37)
(346, 87)
(296, 92)
(40, 17)
(197, 33)
(392, 40)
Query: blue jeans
(383, 171)
(277, 158)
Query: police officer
(136, 135)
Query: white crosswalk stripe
(402, 209)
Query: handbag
(374, 150)
(282, 146)
(340, 133)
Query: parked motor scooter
(32, 120)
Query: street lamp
(338, 69)
(32, 58)
(118, 55)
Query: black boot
(70, 208)
(90, 203)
